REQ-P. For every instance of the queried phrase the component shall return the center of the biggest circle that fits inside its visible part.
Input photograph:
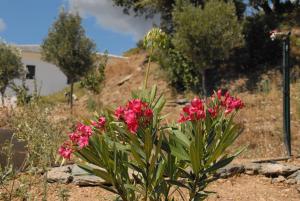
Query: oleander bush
(144, 158)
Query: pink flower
(83, 141)
(133, 127)
(119, 112)
(74, 137)
(228, 111)
(200, 114)
(213, 111)
(197, 103)
(219, 94)
(148, 113)
(65, 150)
(194, 111)
(182, 118)
(130, 116)
(135, 105)
(136, 114)
(100, 123)
(84, 129)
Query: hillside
(261, 118)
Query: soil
(238, 188)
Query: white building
(48, 77)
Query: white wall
(49, 78)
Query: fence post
(286, 94)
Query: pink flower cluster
(194, 111)
(136, 113)
(80, 137)
(199, 109)
(231, 103)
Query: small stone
(125, 79)
(182, 101)
(279, 179)
(291, 181)
(296, 176)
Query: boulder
(88, 180)
(60, 174)
(18, 150)
(276, 169)
(252, 168)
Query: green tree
(11, 66)
(274, 6)
(164, 8)
(67, 47)
(206, 35)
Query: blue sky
(28, 21)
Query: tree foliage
(92, 80)
(11, 66)
(206, 35)
(164, 8)
(274, 6)
(67, 47)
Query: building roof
(30, 48)
(37, 49)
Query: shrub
(207, 35)
(200, 142)
(41, 135)
(127, 141)
(92, 81)
(260, 48)
(142, 158)
(181, 72)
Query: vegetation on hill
(257, 19)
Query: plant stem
(148, 68)
(194, 190)
(71, 95)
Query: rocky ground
(240, 181)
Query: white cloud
(112, 17)
(2, 25)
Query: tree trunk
(267, 9)
(203, 74)
(2, 99)
(71, 95)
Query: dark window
(30, 72)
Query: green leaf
(98, 172)
(178, 183)
(153, 94)
(195, 158)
